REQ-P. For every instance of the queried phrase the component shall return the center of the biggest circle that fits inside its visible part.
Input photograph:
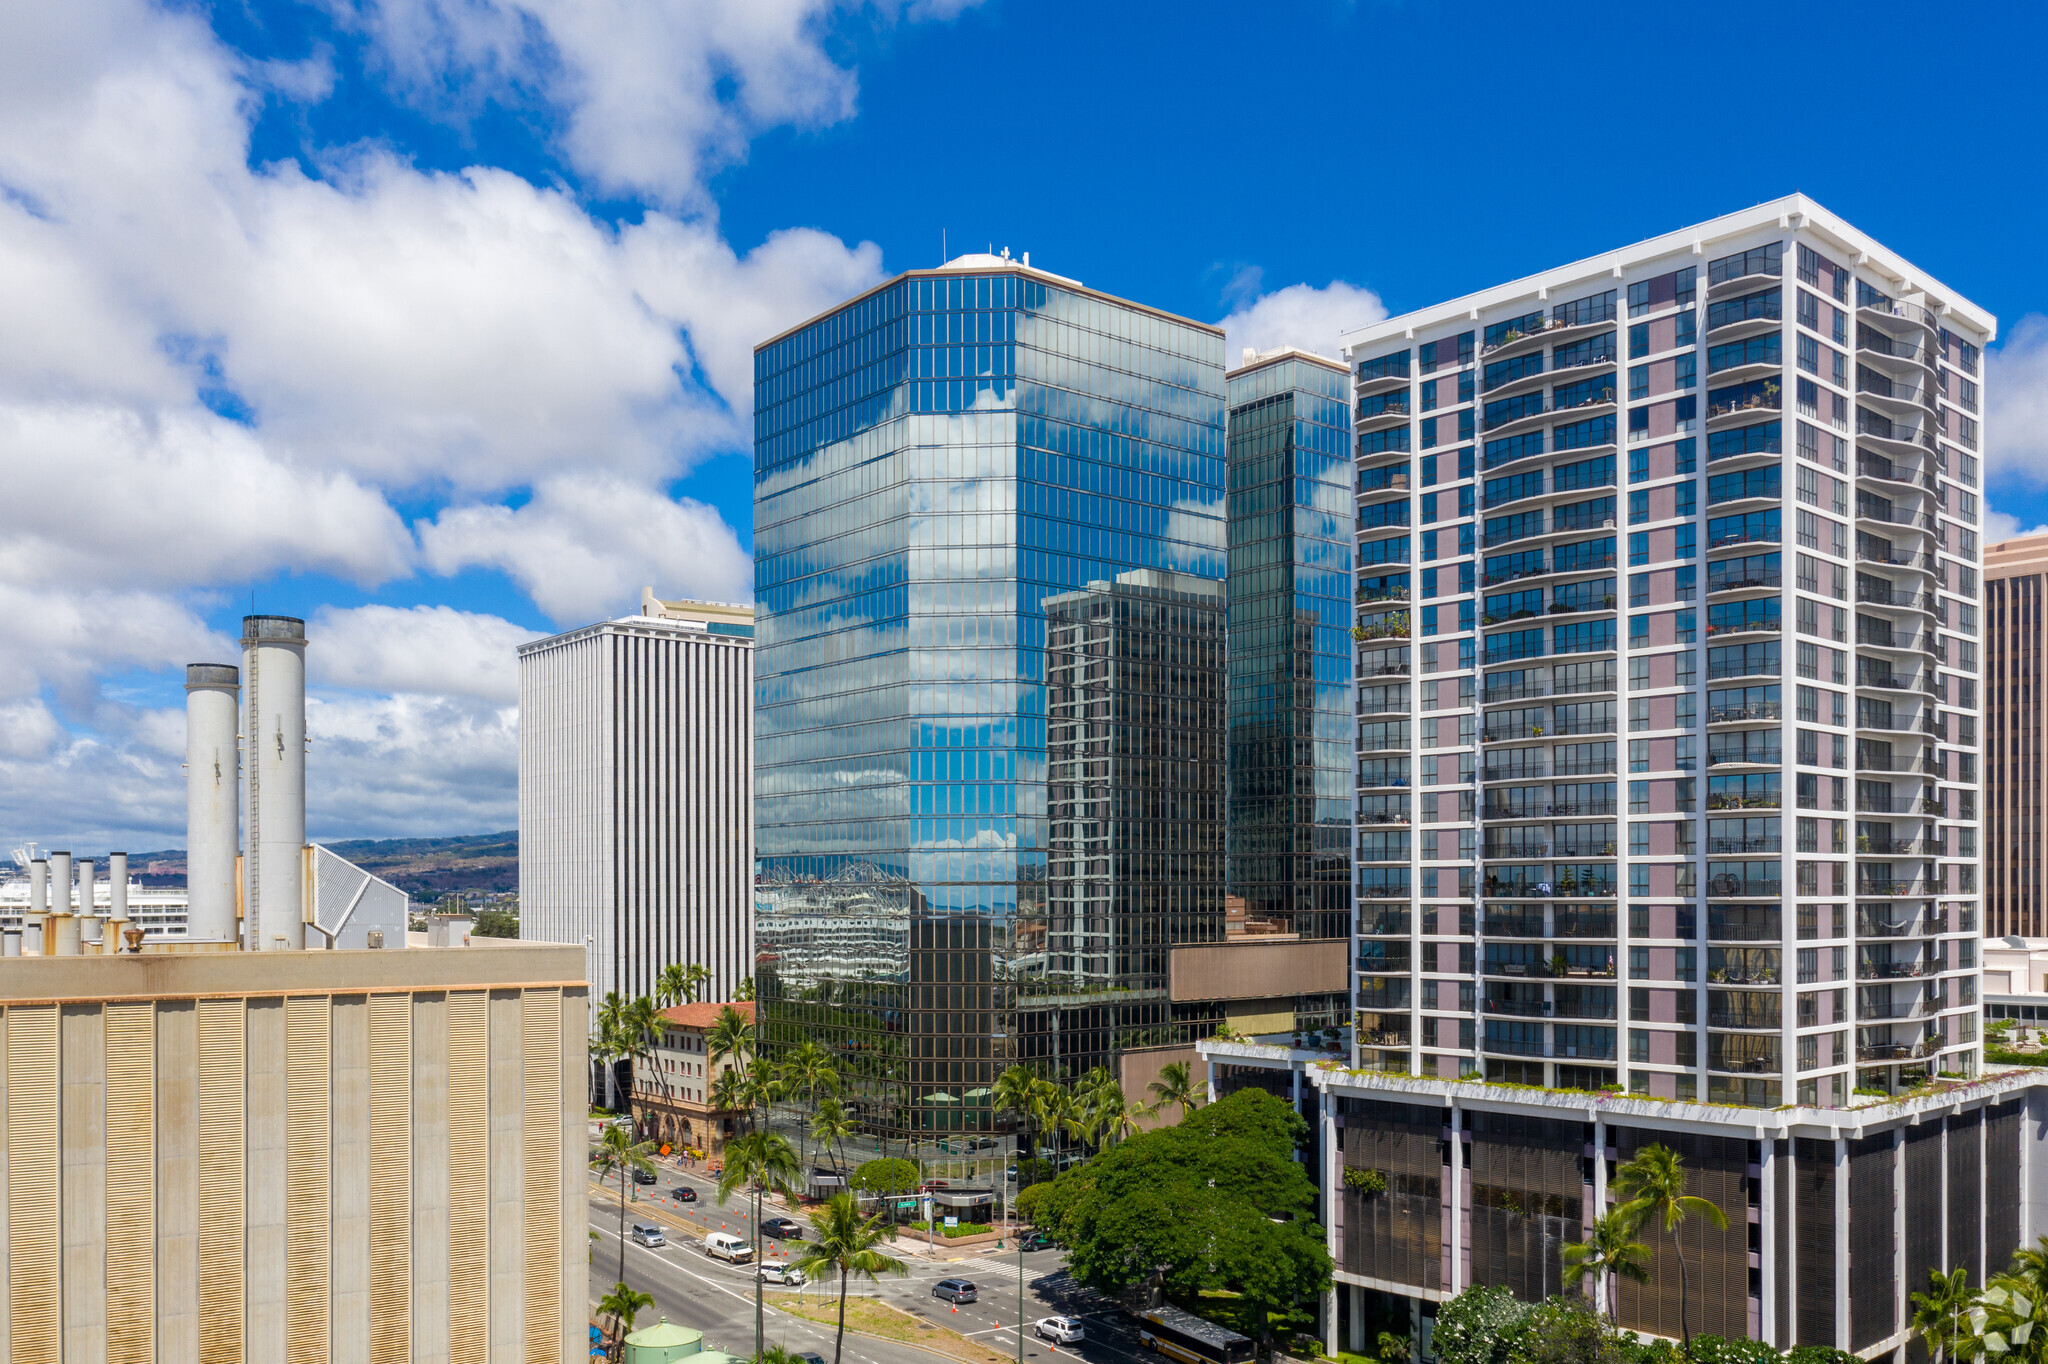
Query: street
(694, 1290)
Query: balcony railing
(1719, 847)
(1756, 710)
(1891, 307)
(1726, 887)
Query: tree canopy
(886, 1176)
(1215, 1202)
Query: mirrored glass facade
(934, 461)
(1290, 509)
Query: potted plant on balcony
(1863, 843)
(1558, 965)
(1536, 731)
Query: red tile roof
(705, 1013)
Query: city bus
(1189, 1339)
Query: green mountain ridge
(424, 868)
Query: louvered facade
(1834, 1216)
(219, 1159)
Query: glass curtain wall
(1290, 532)
(933, 461)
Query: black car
(683, 1193)
(643, 1176)
(811, 1357)
(955, 1291)
(1035, 1240)
(783, 1228)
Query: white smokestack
(87, 924)
(38, 892)
(117, 899)
(60, 883)
(213, 699)
(274, 730)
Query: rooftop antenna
(942, 246)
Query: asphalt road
(694, 1290)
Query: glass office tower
(1290, 534)
(933, 461)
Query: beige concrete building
(672, 1091)
(2015, 710)
(370, 1156)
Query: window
(1764, 305)
(1585, 311)
(1685, 371)
(1502, 333)
(1809, 355)
(1428, 432)
(1639, 341)
(1638, 465)
(1687, 327)
(1761, 439)
(1385, 367)
(1638, 382)
(1428, 398)
(1809, 310)
(1638, 510)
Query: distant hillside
(428, 868)
(424, 868)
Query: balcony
(1884, 388)
(1727, 847)
(1387, 409)
(1899, 805)
(1878, 887)
(1872, 426)
(1727, 887)
(1390, 478)
(1746, 714)
(1748, 580)
(1891, 1051)
(1883, 470)
(1893, 557)
(1904, 599)
(1877, 305)
(1768, 401)
(1876, 926)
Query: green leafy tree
(846, 1245)
(617, 1152)
(1175, 1086)
(731, 1034)
(889, 1175)
(1015, 1093)
(1567, 1331)
(745, 989)
(1938, 1313)
(1215, 1202)
(1479, 1326)
(496, 923)
(1611, 1249)
(642, 1025)
(624, 1306)
(762, 1163)
(1651, 1186)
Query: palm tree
(641, 1024)
(845, 1246)
(808, 1067)
(761, 1161)
(610, 1023)
(831, 1127)
(616, 1150)
(1174, 1086)
(1938, 1313)
(624, 1306)
(1651, 1186)
(731, 1035)
(1051, 1104)
(1117, 1117)
(1611, 1249)
(679, 983)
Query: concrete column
(1841, 1243)
(1767, 1206)
(1902, 1312)
(1454, 1280)
(1331, 1181)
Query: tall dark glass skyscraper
(934, 460)
(1290, 510)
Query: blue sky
(429, 320)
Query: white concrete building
(636, 758)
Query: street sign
(906, 1205)
(952, 1221)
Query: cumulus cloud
(226, 372)
(584, 547)
(653, 96)
(1299, 315)
(436, 650)
(2016, 403)
(2000, 525)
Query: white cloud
(2000, 526)
(654, 94)
(435, 650)
(420, 766)
(377, 336)
(2016, 403)
(584, 547)
(1298, 315)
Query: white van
(723, 1245)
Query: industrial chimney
(213, 698)
(274, 731)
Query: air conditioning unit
(1608, 524)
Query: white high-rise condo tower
(1667, 787)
